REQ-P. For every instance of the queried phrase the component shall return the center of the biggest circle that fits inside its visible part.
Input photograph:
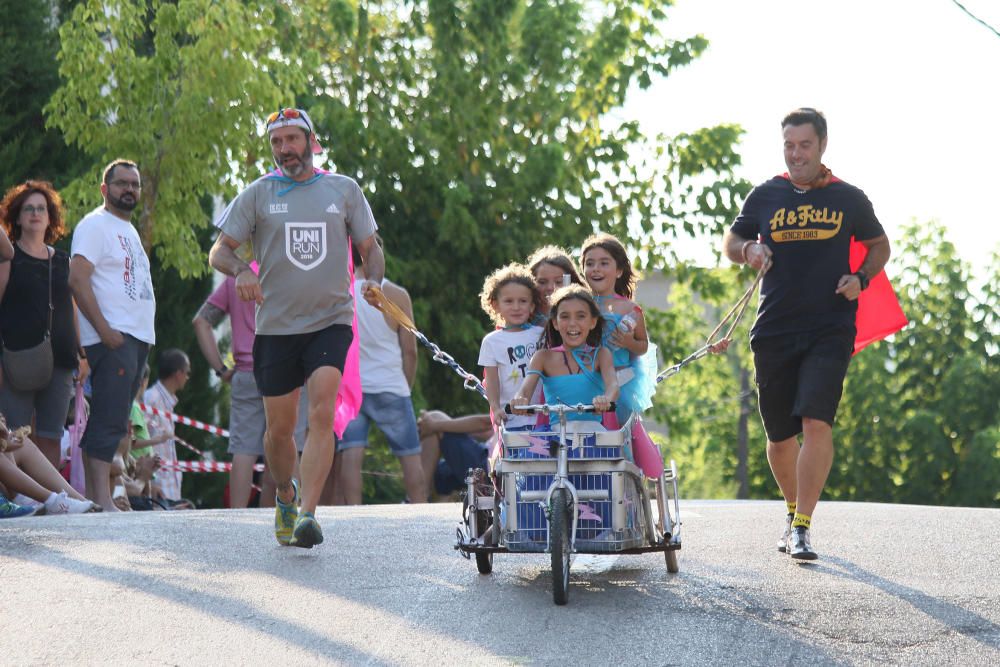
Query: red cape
(879, 313)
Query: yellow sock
(803, 520)
(791, 507)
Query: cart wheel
(671, 556)
(559, 528)
(484, 562)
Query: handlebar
(546, 409)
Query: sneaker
(61, 503)
(9, 510)
(30, 503)
(285, 516)
(800, 548)
(307, 532)
(783, 541)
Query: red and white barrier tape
(184, 443)
(226, 466)
(204, 466)
(187, 421)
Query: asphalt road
(894, 584)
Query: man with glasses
(301, 222)
(802, 224)
(111, 282)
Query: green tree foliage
(28, 77)
(478, 129)
(920, 416)
(481, 130)
(703, 406)
(177, 86)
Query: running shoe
(9, 510)
(285, 516)
(62, 503)
(307, 532)
(799, 544)
(783, 541)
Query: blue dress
(636, 395)
(574, 389)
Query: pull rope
(470, 381)
(735, 314)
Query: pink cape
(349, 395)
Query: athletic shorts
(282, 364)
(459, 452)
(115, 376)
(393, 415)
(800, 375)
(49, 405)
(247, 422)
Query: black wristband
(862, 278)
(219, 372)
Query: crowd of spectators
(78, 325)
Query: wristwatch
(219, 372)
(863, 278)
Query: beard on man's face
(292, 164)
(127, 202)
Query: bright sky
(910, 89)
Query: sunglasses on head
(288, 114)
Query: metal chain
(737, 311)
(470, 381)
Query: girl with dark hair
(552, 268)
(608, 271)
(35, 303)
(575, 368)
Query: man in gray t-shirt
(300, 222)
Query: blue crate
(542, 441)
(594, 531)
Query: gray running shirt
(300, 241)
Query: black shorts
(282, 364)
(800, 375)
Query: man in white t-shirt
(111, 282)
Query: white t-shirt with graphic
(121, 280)
(300, 239)
(510, 353)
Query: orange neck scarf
(822, 180)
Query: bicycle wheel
(484, 562)
(559, 527)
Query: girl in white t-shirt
(511, 298)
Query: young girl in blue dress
(573, 367)
(608, 271)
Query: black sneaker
(783, 541)
(799, 544)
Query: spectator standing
(388, 357)
(302, 222)
(110, 279)
(173, 370)
(37, 306)
(801, 224)
(247, 424)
